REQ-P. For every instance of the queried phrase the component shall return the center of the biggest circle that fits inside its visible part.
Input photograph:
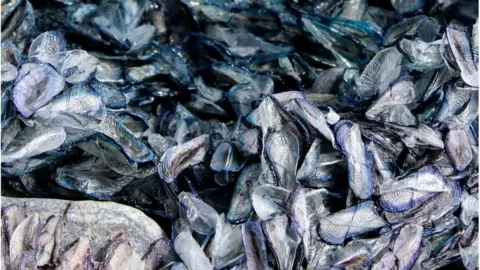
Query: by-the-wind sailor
(254, 244)
(241, 97)
(270, 114)
(240, 204)
(133, 147)
(111, 96)
(79, 107)
(431, 210)
(227, 244)
(364, 32)
(246, 46)
(405, 26)
(468, 246)
(422, 56)
(36, 85)
(9, 72)
(201, 216)
(321, 165)
(315, 117)
(140, 37)
(211, 93)
(306, 135)
(382, 70)
(407, 6)
(346, 51)
(358, 161)
(412, 190)
(117, 25)
(190, 252)
(454, 100)
(282, 240)
(10, 132)
(226, 159)
(161, 252)
(387, 261)
(179, 157)
(391, 107)
(281, 150)
(10, 54)
(92, 178)
(46, 44)
(459, 43)
(355, 255)
(110, 72)
(458, 148)
(421, 136)
(356, 220)
(297, 209)
(34, 141)
(203, 106)
(429, 30)
(469, 207)
(269, 200)
(407, 245)
(110, 154)
(78, 66)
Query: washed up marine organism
(259, 134)
(60, 234)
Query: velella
(239, 134)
